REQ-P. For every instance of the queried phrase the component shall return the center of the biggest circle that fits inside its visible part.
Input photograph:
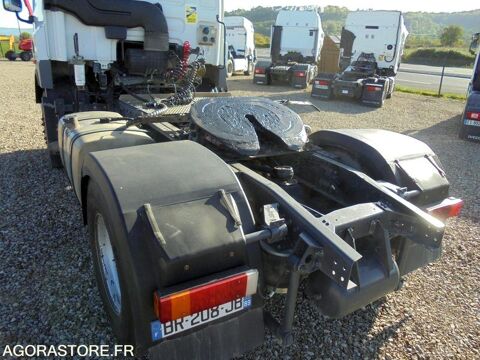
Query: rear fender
(391, 157)
(188, 234)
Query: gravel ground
(48, 293)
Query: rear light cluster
(299, 73)
(259, 70)
(374, 88)
(196, 299)
(322, 82)
(449, 207)
(473, 115)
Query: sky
(9, 20)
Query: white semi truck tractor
(240, 36)
(371, 50)
(295, 46)
(201, 206)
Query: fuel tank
(82, 133)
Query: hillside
(420, 24)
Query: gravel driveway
(48, 293)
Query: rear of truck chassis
(206, 227)
(361, 81)
(200, 208)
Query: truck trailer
(296, 41)
(371, 48)
(470, 126)
(201, 206)
(241, 45)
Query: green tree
(451, 35)
(25, 35)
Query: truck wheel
(26, 55)
(250, 69)
(55, 159)
(269, 79)
(229, 68)
(11, 55)
(108, 265)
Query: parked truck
(371, 49)
(470, 127)
(200, 208)
(296, 41)
(241, 45)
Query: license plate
(471, 122)
(162, 331)
(345, 92)
(323, 87)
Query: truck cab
(241, 45)
(111, 47)
(296, 41)
(371, 49)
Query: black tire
(269, 79)
(229, 68)
(55, 159)
(250, 69)
(26, 55)
(97, 206)
(11, 55)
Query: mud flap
(171, 222)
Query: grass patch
(436, 56)
(409, 90)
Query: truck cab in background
(371, 49)
(240, 36)
(296, 41)
(470, 127)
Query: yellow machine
(11, 48)
(23, 51)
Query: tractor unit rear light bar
(196, 299)
(374, 87)
(471, 115)
(449, 207)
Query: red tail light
(374, 88)
(473, 115)
(322, 82)
(259, 70)
(299, 73)
(203, 297)
(447, 208)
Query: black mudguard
(391, 157)
(187, 236)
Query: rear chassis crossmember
(326, 245)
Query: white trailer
(371, 50)
(240, 36)
(296, 41)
